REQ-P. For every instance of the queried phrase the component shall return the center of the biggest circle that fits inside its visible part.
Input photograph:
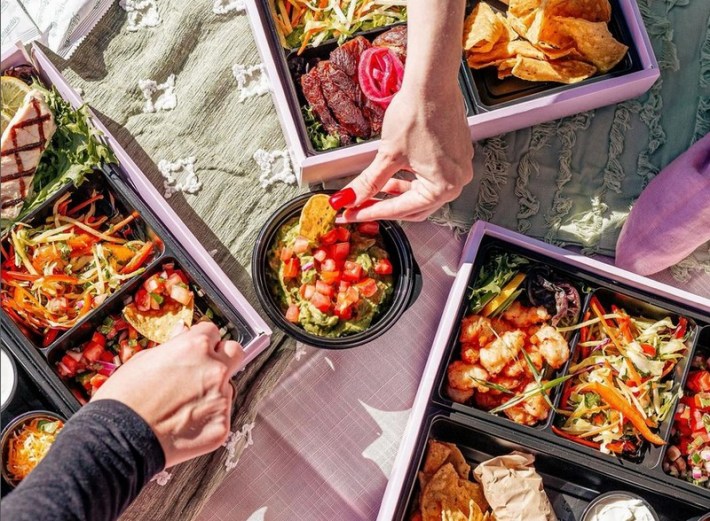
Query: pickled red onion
(380, 74)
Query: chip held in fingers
(560, 41)
(317, 217)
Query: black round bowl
(11, 428)
(406, 274)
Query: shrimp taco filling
(510, 343)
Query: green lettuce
(316, 133)
(492, 278)
(75, 151)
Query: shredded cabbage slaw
(621, 392)
(300, 23)
(55, 273)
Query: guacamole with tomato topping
(335, 286)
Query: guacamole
(336, 286)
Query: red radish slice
(380, 74)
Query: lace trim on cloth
(702, 118)
(228, 6)
(444, 217)
(166, 100)
(661, 28)
(705, 60)
(162, 478)
(142, 14)
(496, 166)
(269, 165)
(540, 136)
(692, 263)
(191, 184)
(232, 445)
(650, 114)
(561, 206)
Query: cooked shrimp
(501, 351)
(458, 395)
(521, 368)
(536, 405)
(518, 414)
(476, 330)
(464, 377)
(530, 411)
(469, 353)
(488, 401)
(553, 346)
(523, 317)
(505, 382)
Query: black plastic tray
(38, 362)
(569, 487)
(285, 60)
(28, 397)
(489, 92)
(645, 473)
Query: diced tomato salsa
(336, 285)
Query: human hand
(182, 390)
(424, 133)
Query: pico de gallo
(29, 444)
(54, 273)
(622, 387)
(335, 286)
(688, 456)
(89, 365)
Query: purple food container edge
(150, 195)
(480, 230)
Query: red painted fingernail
(342, 198)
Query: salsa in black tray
(39, 361)
(574, 474)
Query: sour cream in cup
(8, 378)
(619, 506)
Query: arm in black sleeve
(99, 463)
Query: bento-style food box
(599, 374)
(335, 65)
(96, 265)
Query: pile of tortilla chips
(446, 491)
(564, 41)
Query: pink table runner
(325, 439)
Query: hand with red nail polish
(424, 132)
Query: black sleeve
(99, 463)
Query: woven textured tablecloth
(325, 438)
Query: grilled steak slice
(347, 56)
(375, 114)
(395, 39)
(311, 87)
(346, 111)
(21, 147)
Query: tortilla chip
(545, 31)
(474, 514)
(483, 28)
(436, 455)
(317, 217)
(594, 42)
(590, 10)
(160, 326)
(441, 493)
(522, 8)
(475, 493)
(458, 461)
(505, 69)
(560, 71)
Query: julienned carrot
(616, 401)
(84, 204)
(615, 447)
(138, 259)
